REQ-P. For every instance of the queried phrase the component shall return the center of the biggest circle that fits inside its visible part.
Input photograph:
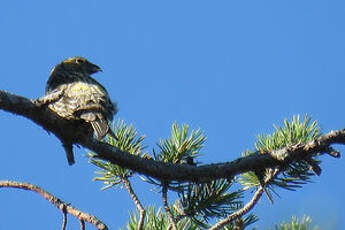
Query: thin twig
(64, 218)
(82, 224)
(332, 152)
(167, 208)
(246, 208)
(82, 216)
(240, 212)
(181, 215)
(140, 207)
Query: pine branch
(64, 130)
(246, 208)
(82, 224)
(166, 206)
(141, 209)
(63, 206)
(64, 218)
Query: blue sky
(232, 68)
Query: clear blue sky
(232, 68)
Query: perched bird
(83, 98)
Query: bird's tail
(101, 128)
(69, 152)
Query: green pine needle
(295, 131)
(296, 224)
(157, 219)
(128, 141)
(207, 200)
(181, 146)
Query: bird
(83, 98)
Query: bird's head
(80, 64)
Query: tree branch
(166, 206)
(246, 208)
(82, 224)
(64, 218)
(141, 209)
(63, 206)
(82, 135)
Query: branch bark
(64, 218)
(63, 206)
(246, 208)
(66, 130)
(140, 207)
(166, 206)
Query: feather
(82, 98)
(100, 127)
(69, 152)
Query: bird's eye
(79, 61)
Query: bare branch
(64, 217)
(167, 208)
(140, 207)
(82, 216)
(240, 212)
(332, 152)
(82, 224)
(66, 130)
(246, 208)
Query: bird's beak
(96, 68)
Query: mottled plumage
(83, 97)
